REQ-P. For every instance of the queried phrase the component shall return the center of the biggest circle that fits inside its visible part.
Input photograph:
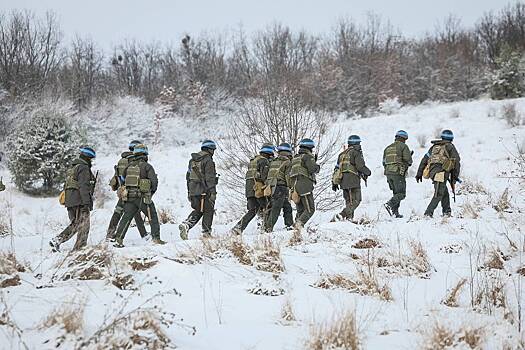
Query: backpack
(441, 156)
(392, 160)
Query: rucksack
(441, 156)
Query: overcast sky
(110, 21)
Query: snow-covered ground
(232, 296)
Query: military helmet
(267, 148)
(133, 143)
(140, 149)
(285, 147)
(402, 134)
(88, 152)
(208, 144)
(354, 140)
(447, 135)
(307, 143)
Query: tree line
(352, 69)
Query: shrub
(511, 115)
(341, 333)
(41, 149)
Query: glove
(335, 187)
(419, 178)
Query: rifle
(365, 179)
(453, 187)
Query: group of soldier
(274, 177)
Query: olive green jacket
(146, 171)
(208, 183)
(437, 168)
(405, 157)
(262, 167)
(83, 196)
(302, 184)
(350, 180)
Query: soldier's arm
(453, 152)
(423, 163)
(311, 165)
(152, 176)
(84, 184)
(406, 156)
(263, 166)
(360, 164)
(210, 175)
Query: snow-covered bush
(390, 106)
(508, 80)
(42, 147)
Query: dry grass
(503, 202)
(267, 289)
(287, 313)
(451, 299)
(5, 226)
(341, 333)
(142, 264)
(12, 281)
(521, 271)
(416, 262)
(495, 261)
(440, 337)
(69, 316)
(91, 263)
(511, 115)
(123, 281)
(364, 284)
(10, 265)
(470, 210)
(296, 238)
(268, 256)
(367, 243)
(469, 186)
(166, 216)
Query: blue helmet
(354, 140)
(284, 147)
(447, 135)
(88, 152)
(140, 149)
(208, 144)
(133, 143)
(267, 148)
(307, 143)
(402, 134)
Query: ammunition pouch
(145, 185)
(337, 176)
(62, 198)
(259, 189)
(426, 172)
(268, 191)
(122, 193)
(146, 198)
(295, 197)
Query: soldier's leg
(355, 193)
(151, 213)
(436, 198)
(115, 218)
(82, 229)
(253, 207)
(300, 209)
(131, 207)
(196, 214)
(277, 203)
(209, 212)
(390, 182)
(399, 189)
(309, 209)
(445, 201)
(347, 212)
(139, 221)
(70, 230)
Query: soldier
(302, 180)
(201, 180)
(116, 182)
(442, 164)
(277, 180)
(140, 184)
(256, 174)
(348, 172)
(397, 158)
(79, 188)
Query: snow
(214, 291)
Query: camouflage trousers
(352, 198)
(279, 201)
(131, 208)
(115, 219)
(440, 195)
(305, 209)
(255, 206)
(203, 207)
(79, 225)
(397, 184)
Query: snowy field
(411, 283)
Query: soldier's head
(308, 144)
(285, 149)
(140, 150)
(209, 146)
(87, 153)
(447, 135)
(401, 135)
(133, 143)
(354, 140)
(267, 150)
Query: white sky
(111, 21)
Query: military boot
(119, 243)
(206, 234)
(158, 241)
(337, 217)
(396, 214)
(389, 209)
(183, 229)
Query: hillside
(409, 283)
